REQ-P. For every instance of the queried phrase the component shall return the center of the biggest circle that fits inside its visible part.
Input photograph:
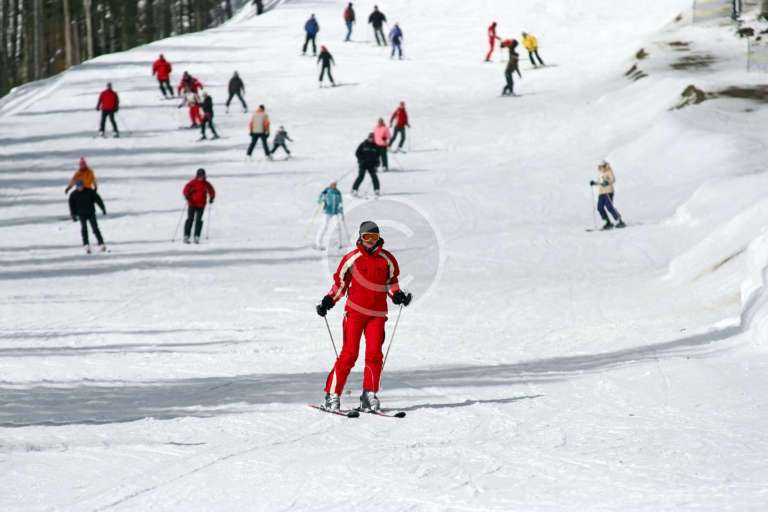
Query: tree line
(39, 38)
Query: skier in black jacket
(368, 155)
(326, 59)
(377, 19)
(82, 207)
(207, 107)
(236, 88)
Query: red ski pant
(355, 324)
(194, 114)
(492, 45)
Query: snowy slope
(543, 367)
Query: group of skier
(531, 44)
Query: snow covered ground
(543, 367)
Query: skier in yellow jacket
(532, 45)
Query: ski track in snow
(546, 368)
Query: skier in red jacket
(188, 89)
(162, 69)
(492, 37)
(367, 276)
(399, 119)
(108, 103)
(197, 192)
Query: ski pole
(397, 161)
(392, 339)
(331, 335)
(312, 220)
(178, 224)
(208, 224)
(592, 206)
(122, 121)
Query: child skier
(326, 59)
(532, 45)
(367, 276)
(196, 192)
(333, 209)
(280, 137)
(512, 66)
(162, 69)
(368, 156)
(605, 191)
(83, 174)
(399, 119)
(82, 204)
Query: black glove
(210, 201)
(324, 306)
(74, 218)
(592, 183)
(400, 297)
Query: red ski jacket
(197, 192)
(400, 117)
(366, 278)
(162, 68)
(192, 85)
(108, 101)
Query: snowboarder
(396, 38)
(236, 88)
(349, 20)
(377, 19)
(381, 137)
(368, 156)
(259, 129)
(326, 59)
(207, 119)
(367, 276)
(82, 207)
(333, 209)
(162, 69)
(83, 174)
(109, 104)
(605, 191)
(532, 45)
(197, 193)
(311, 27)
(512, 66)
(280, 137)
(492, 37)
(400, 120)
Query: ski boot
(186, 239)
(88, 248)
(197, 239)
(620, 224)
(332, 402)
(369, 402)
(103, 247)
(607, 226)
(116, 135)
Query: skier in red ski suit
(492, 37)
(367, 275)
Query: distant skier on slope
(82, 207)
(280, 137)
(512, 66)
(396, 38)
(207, 107)
(188, 89)
(259, 130)
(349, 20)
(400, 120)
(83, 174)
(532, 45)
(381, 138)
(326, 59)
(333, 208)
(367, 276)
(188, 83)
(236, 88)
(109, 104)
(377, 20)
(311, 28)
(197, 193)
(368, 156)
(161, 68)
(492, 38)
(605, 191)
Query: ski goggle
(369, 237)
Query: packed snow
(543, 365)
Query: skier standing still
(196, 192)
(368, 156)
(333, 209)
(311, 28)
(83, 174)
(259, 129)
(381, 138)
(400, 120)
(109, 104)
(367, 276)
(326, 59)
(236, 88)
(396, 38)
(82, 207)
(492, 37)
(377, 20)
(349, 20)
(512, 66)
(605, 191)
(162, 69)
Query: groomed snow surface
(543, 367)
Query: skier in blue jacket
(311, 27)
(333, 209)
(396, 38)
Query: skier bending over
(236, 88)
(512, 66)
(333, 208)
(82, 207)
(83, 174)
(196, 193)
(280, 137)
(367, 161)
(207, 107)
(396, 37)
(492, 37)
(259, 128)
(162, 69)
(326, 59)
(377, 20)
(367, 276)
(532, 45)
(605, 182)
(349, 20)
(109, 104)
(400, 120)
(311, 28)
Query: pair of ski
(355, 413)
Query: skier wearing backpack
(368, 275)
(349, 20)
(400, 120)
(377, 20)
(381, 137)
(109, 104)
(333, 209)
(396, 38)
(83, 174)
(512, 66)
(368, 156)
(259, 130)
(605, 191)
(82, 207)
(162, 69)
(280, 137)
(492, 38)
(532, 45)
(311, 28)
(197, 193)
(207, 118)
(326, 59)
(236, 88)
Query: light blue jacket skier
(333, 208)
